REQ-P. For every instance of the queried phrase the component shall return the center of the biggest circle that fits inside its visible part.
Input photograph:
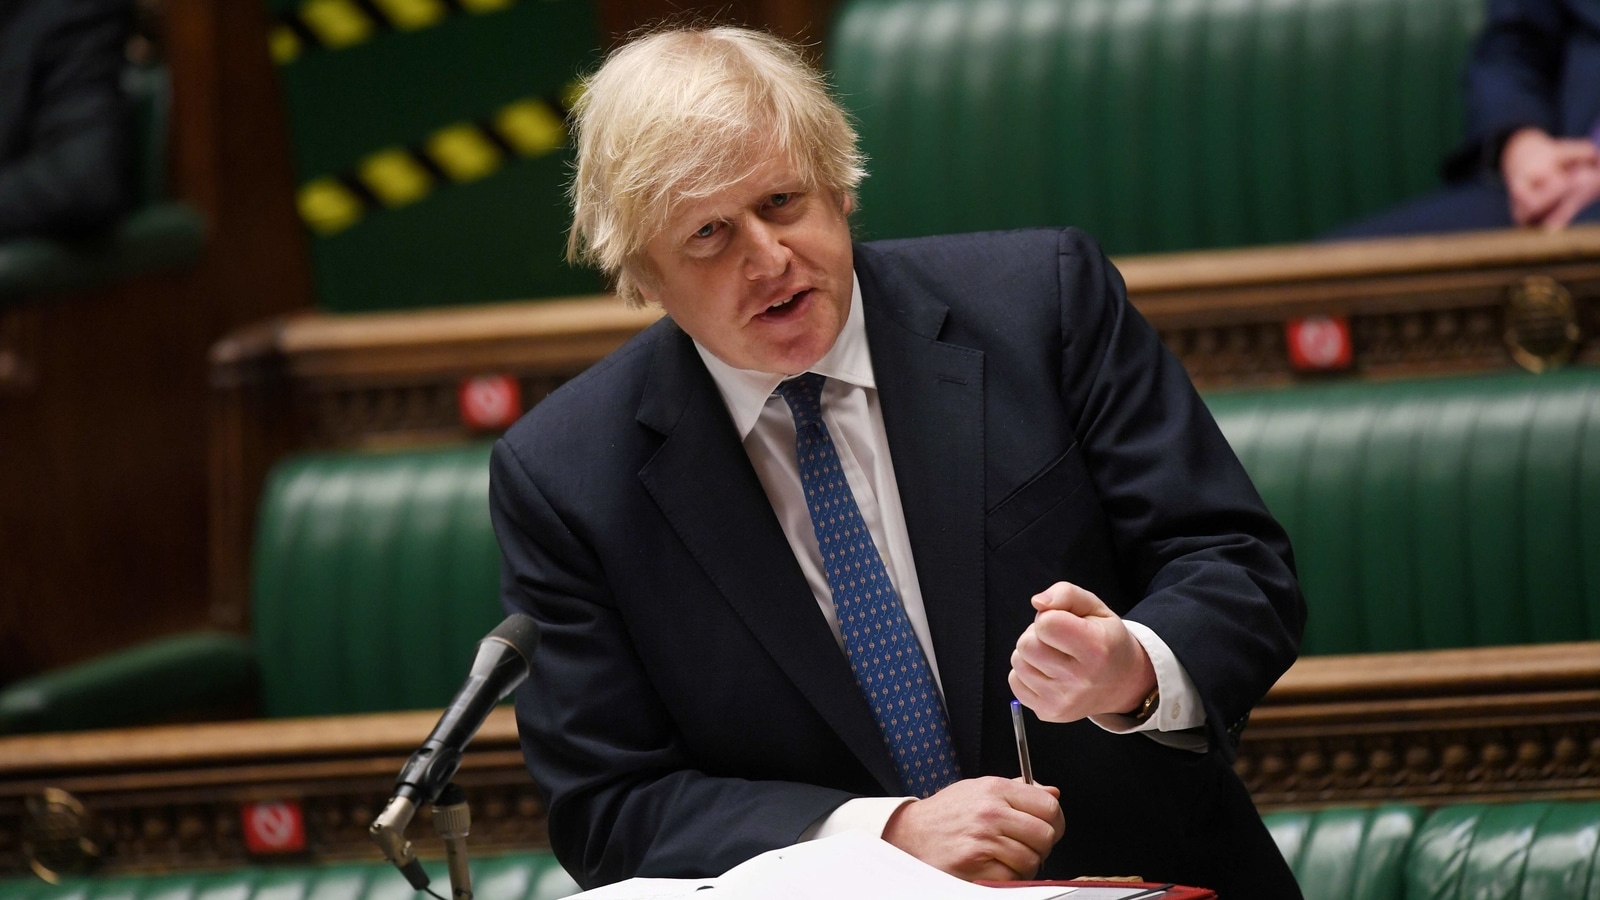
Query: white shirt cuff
(1180, 707)
(868, 815)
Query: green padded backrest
(1154, 124)
(1457, 512)
(1346, 853)
(375, 574)
(430, 147)
(1525, 851)
(529, 876)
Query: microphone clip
(452, 819)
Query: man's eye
(781, 199)
(706, 230)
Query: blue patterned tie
(887, 660)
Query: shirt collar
(745, 392)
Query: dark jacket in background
(1537, 63)
(66, 146)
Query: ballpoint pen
(1022, 742)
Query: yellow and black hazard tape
(455, 154)
(339, 24)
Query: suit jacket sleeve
(1211, 570)
(622, 791)
(1512, 81)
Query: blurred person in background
(1531, 156)
(66, 143)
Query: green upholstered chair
(1456, 512)
(1347, 853)
(158, 235)
(528, 876)
(1525, 851)
(1155, 125)
(430, 147)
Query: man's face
(759, 273)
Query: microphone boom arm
(500, 665)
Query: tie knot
(804, 396)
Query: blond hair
(679, 115)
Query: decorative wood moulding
(177, 797)
(384, 378)
(1412, 306)
(1489, 724)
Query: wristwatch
(1146, 709)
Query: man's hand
(1078, 659)
(1544, 175)
(1583, 188)
(981, 828)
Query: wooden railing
(1491, 724)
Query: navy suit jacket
(1537, 63)
(689, 707)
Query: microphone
(453, 820)
(501, 665)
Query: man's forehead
(766, 175)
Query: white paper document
(849, 866)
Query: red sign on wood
(489, 402)
(1320, 343)
(274, 827)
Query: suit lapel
(932, 399)
(704, 484)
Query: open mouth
(787, 307)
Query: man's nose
(766, 255)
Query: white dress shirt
(855, 422)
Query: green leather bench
(1155, 125)
(1525, 851)
(1457, 512)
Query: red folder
(1175, 892)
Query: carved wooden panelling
(1484, 760)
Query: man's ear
(644, 281)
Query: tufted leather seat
(375, 574)
(1522, 851)
(1155, 125)
(1456, 512)
(1347, 854)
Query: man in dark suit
(1532, 152)
(66, 154)
(794, 548)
